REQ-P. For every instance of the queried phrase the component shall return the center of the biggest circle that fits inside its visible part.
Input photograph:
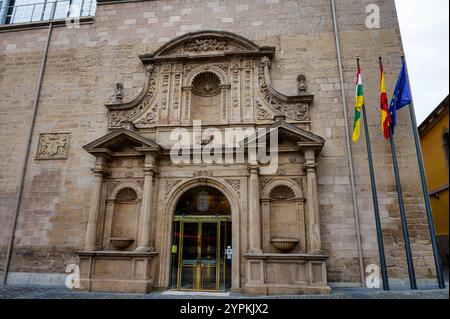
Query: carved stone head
(119, 93)
(301, 84)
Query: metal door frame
(200, 220)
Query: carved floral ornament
(207, 44)
(236, 185)
(240, 71)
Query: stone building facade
(101, 189)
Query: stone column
(147, 205)
(94, 210)
(312, 222)
(254, 216)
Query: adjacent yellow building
(434, 138)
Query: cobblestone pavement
(34, 292)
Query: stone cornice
(101, 171)
(286, 256)
(123, 254)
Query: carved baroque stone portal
(144, 218)
(225, 70)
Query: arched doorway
(201, 241)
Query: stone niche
(283, 217)
(285, 267)
(122, 218)
(291, 260)
(118, 255)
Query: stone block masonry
(85, 63)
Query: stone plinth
(127, 272)
(286, 274)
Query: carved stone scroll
(296, 108)
(120, 113)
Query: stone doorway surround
(263, 262)
(166, 226)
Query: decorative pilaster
(265, 211)
(94, 210)
(147, 205)
(312, 218)
(254, 218)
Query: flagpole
(409, 259)
(381, 252)
(437, 258)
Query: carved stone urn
(284, 244)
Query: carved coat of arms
(202, 201)
(53, 146)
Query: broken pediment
(122, 141)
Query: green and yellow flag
(358, 106)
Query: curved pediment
(206, 43)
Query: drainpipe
(26, 156)
(349, 148)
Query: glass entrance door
(199, 254)
(189, 255)
(209, 257)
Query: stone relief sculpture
(301, 84)
(236, 185)
(169, 185)
(204, 45)
(233, 67)
(53, 146)
(119, 93)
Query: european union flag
(402, 95)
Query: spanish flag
(358, 106)
(384, 109)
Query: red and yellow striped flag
(384, 106)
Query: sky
(424, 27)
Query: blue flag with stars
(402, 95)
